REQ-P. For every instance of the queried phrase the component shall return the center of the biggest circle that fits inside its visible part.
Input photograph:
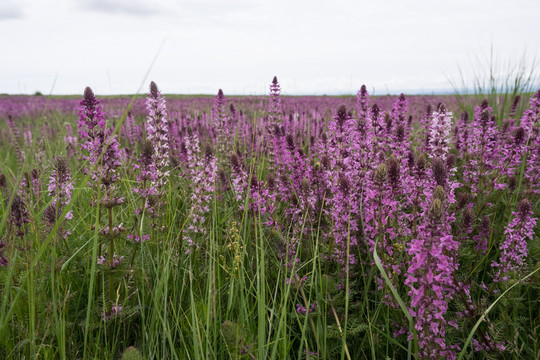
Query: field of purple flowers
(185, 227)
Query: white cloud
(10, 10)
(128, 7)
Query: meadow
(269, 227)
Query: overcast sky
(314, 47)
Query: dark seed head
(271, 181)
(325, 162)
(484, 104)
(468, 216)
(380, 174)
(439, 193)
(290, 142)
(450, 161)
(153, 89)
(439, 171)
(519, 137)
(441, 108)
(462, 200)
(421, 162)
(524, 208)
(89, 95)
(208, 151)
(512, 183)
(388, 121)
(341, 115)
(410, 159)
(50, 215)
(435, 212)
(343, 183)
(375, 111)
(485, 223)
(514, 105)
(274, 80)
(393, 171)
(429, 110)
(363, 90)
(305, 186)
(222, 176)
(400, 133)
(235, 162)
(506, 125)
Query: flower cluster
(274, 104)
(202, 171)
(439, 132)
(157, 127)
(430, 277)
(514, 247)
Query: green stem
(111, 259)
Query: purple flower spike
(430, 277)
(157, 127)
(274, 105)
(514, 247)
(441, 121)
(362, 102)
(60, 185)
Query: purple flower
(483, 148)
(362, 102)
(60, 184)
(115, 310)
(274, 104)
(430, 277)
(302, 310)
(202, 172)
(111, 265)
(91, 121)
(157, 127)
(441, 121)
(514, 247)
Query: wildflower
(274, 105)
(60, 185)
(514, 247)
(202, 171)
(116, 260)
(302, 310)
(362, 102)
(91, 125)
(430, 277)
(399, 112)
(157, 127)
(441, 122)
(114, 311)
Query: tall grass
(499, 80)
